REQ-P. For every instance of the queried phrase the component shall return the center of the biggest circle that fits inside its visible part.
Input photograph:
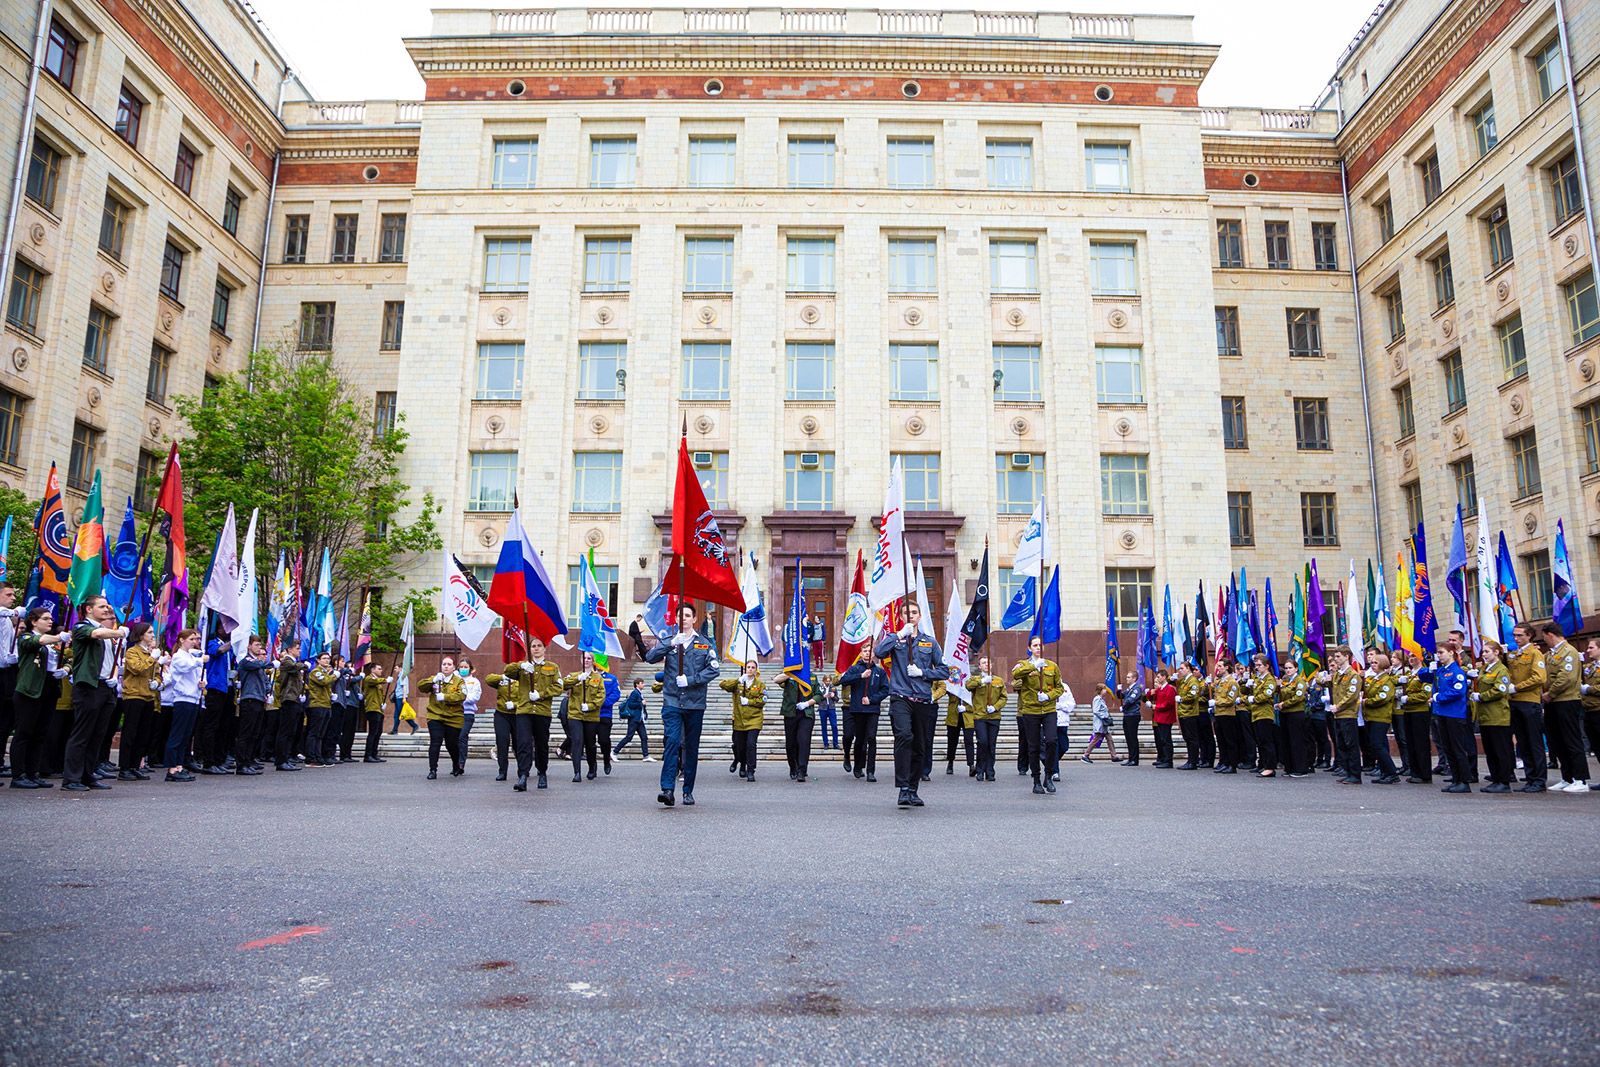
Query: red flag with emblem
(700, 560)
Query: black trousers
(269, 735)
(56, 732)
(864, 756)
(135, 733)
(1247, 740)
(1460, 748)
(744, 749)
(502, 738)
(450, 738)
(113, 722)
(581, 739)
(987, 733)
(1022, 748)
(848, 725)
(316, 734)
(1189, 730)
(1564, 720)
(349, 722)
(1322, 737)
(1419, 743)
(247, 739)
(951, 735)
(1039, 740)
(603, 740)
(1347, 746)
(797, 742)
(91, 707)
(1497, 751)
(1296, 754)
(1130, 734)
(289, 716)
(912, 722)
(1378, 741)
(160, 727)
(1163, 736)
(1228, 747)
(32, 715)
(1206, 725)
(1591, 727)
(532, 736)
(210, 742)
(1527, 725)
(635, 727)
(1266, 737)
(8, 704)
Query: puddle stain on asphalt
(818, 1003)
(283, 937)
(1561, 902)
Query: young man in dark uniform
(915, 662)
(689, 664)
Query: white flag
(1488, 602)
(1352, 621)
(751, 638)
(249, 595)
(1034, 548)
(886, 578)
(408, 651)
(461, 604)
(925, 623)
(957, 653)
(222, 591)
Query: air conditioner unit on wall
(810, 460)
(702, 460)
(1021, 460)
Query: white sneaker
(646, 759)
(1576, 787)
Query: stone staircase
(716, 738)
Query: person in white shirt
(182, 677)
(10, 621)
(473, 686)
(1064, 705)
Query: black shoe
(106, 767)
(801, 778)
(989, 777)
(742, 774)
(949, 768)
(1388, 779)
(576, 777)
(1347, 780)
(904, 800)
(972, 772)
(213, 770)
(500, 776)
(1049, 785)
(74, 787)
(127, 776)
(859, 773)
(1227, 770)
(371, 759)
(542, 784)
(1414, 780)
(459, 772)
(733, 766)
(286, 766)
(750, 777)
(1533, 787)
(847, 768)
(1459, 787)
(925, 778)
(1496, 787)
(608, 768)
(664, 797)
(873, 777)
(432, 775)
(591, 776)
(916, 801)
(24, 783)
(791, 776)
(180, 776)
(522, 783)
(1038, 787)
(688, 799)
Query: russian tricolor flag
(521, 587)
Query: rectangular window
(711, 471)
(810, 370)
(1113, 269)
(1010, 164)
(607, 264)
(1525, 463)
(1128, 589)
(708, 264)
(1411, 493)
(1432, 178)
(914, 372)
(1455, 383)
(602, 369)
(605, 577)
(84, 457)
(1565, 191)
(1513, 353)
(155, 379)
(808, 481)
(711, 161)
(492, 480)
(507, 263)
(394, 325)
(296, 236)
(1230, 243)
(1125, 484)
(516, 163)
(810, 264)
(811, 162)
(611, 161)
(597, 481)
(1241, 521)
(61, 54)
(1228, 331)
(1305, 331)
(147, 478)
(1311, 424)
(1484, 134)
(1549, 68)
(97, 338)
(705, 370)
(1583, 314)
(1019, 481)
(499, 370)
(316, 326)
(1119, 374)
(1465, 475)
(183, 169)
(130, 112)
(921, 470)
(1018, 367)
(1319, 519)
(27, 294)
(172, 272)
(12, 407)
(232, 205)
(1498, 225)
(1278, 256)
(1405, 412)
(1444, 282)
(1325, 245)
(910, 162)
(1235, 424)
(1394, 314)
(392, 239)
(344, 239)
(1385, 212)
(385, 413)
(1107, 167)
(1589, 420)
(1540, 583)
(913, 265)
(1013, 266)
(221, 303)
(44, 174)
(113, 226)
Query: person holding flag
(749, 715)
(689, 664)
(865, 684)
(915, 662)
(799, 701)
(1037, 682)
(96, 644)
(586, 689)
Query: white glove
(1402, 700)
(527, 666)
(1038, 664)
(1043, 698)
(906, 631)
(1474, 698)
(988, 678)
(1327, 705)
(806, 704)
(683, 681)
(913, 670)
(584, 708)
(584, 675)
(1211, 705)
(744, 700)
(991, 709)
(511, 705)
(1472, 674)
(1584, 689)
(681, 639)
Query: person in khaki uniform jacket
(510, 694)
(1191, 698)
(1414, 705)
(1563, 708)
(1263, 703)
(988, 700)
(749, 715)
(587, 688)
(959, 724)
(1589, 691)
(1491, 707)
(530, 725)
(1037, 682)
(1294, 738)
(447, 693)
(1344, 699)
(1527, 670)
(1377, 708)
(1224, 705)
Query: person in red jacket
(1163, 699)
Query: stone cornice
(1263, 153)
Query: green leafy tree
(388, 619)
(24, 545)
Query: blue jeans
(828, 720)
(680, 728)
(635, 728)
(183, 719)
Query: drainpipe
(1361, 336)
(1577, 134)
(266, 242)
(30, 105)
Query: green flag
(88, 550)
(1369, 608)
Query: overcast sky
(1275, 53)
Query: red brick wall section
(1231, 179)
(347, 172)
(795, 87)
(196, 90)
(1435, 87)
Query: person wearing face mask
(530, 728)
(1491, 706)
(1377, 709)
(472, 691)
(988, 701)
(447, 692)
(915, 662)
(799, 718)
(586, 689)
(1344, 699)
(1037, 682)
(749, 714)
(688, 664)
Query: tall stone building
(1009, 250)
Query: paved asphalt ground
(362, 914)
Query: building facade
(1010, 251)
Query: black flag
(976, 626)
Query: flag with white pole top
(249, 593)
(1488, 604)
(925, 624)
(1352, 621)
(957, 646)
(1034, 548)
(887, 577)
(459, 602)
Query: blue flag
(1020, 610)
(5, 549)
(1254, 618)
(1113, 654)
(144, 605)
(1455, 570)
(1047, 624)
(122, 566)
(1169, 646)
(1565, 612)
(1149, 640)
(796, 649)
(1504, 585)
(1424, 622)
(1272, 631)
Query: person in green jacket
(587, 689)
(96, 642)
(1262, 698)
(319, 707)
(32, 700)
(799, 716)
(749, 715)
(374, 695)
(447, 692)
(1491, 704)
(530, 725)
(1038, 684)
